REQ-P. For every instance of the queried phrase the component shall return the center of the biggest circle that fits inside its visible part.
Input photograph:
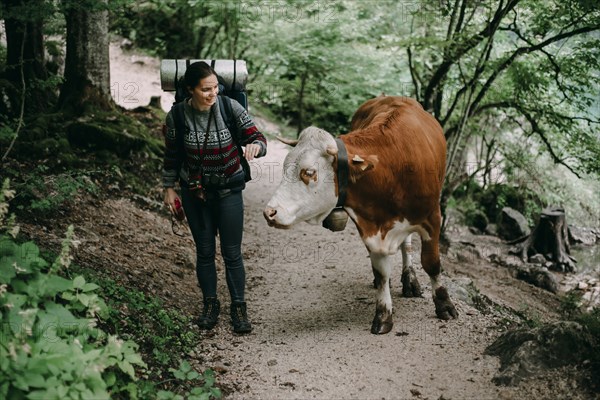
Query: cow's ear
(359, 165)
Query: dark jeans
(226, 216)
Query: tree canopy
(514, 83)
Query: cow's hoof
(444, 309)
(381, 328)
(410, 284)
(382, 325)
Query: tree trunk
(87, 72)
(303, 80)
(550, 239)
(25, 52)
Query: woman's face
(204, 95)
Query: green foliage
(471, 211)
(44, 192)
(477, 219)
(160, 331)
(522, 199)
(2, 52)
(50, 344)
(480, 204)
(50, 347)
(186, 373)
(570, 305)
(180, 23)
(316, 68)
(7, 133)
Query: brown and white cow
(395, 164)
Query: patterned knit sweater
(219, 156)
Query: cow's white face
(307, 191)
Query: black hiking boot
(210, 313)
(239, 317)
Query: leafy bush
(50, 344)
(498, 196)
(471, 199)
(159, 331)
(472, 213)
(137, 21)
(43, 193)
(186, 373)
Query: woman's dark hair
(197, 71)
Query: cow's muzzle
(269, 214)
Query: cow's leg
(410, 284)
(430, 258)
(382, 268)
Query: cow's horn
(290, 142)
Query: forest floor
(311, 300)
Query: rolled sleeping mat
(233, 72)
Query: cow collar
(343, 172)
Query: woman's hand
(252, 151)
(170, 196)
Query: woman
(212, 179)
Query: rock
(480, 220)
(583, 236)
(524, 353)
(271, 363)
(155, 102)
(511, 262)
(126, 44)
(220, 368)
(474, 231)
(537, 259)
(512, 224)
(492, 229)
(464, 289)
(582, 286)
(537, 276)
(458, 291)
(593, 300)
(178, 273)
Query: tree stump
(155, 102)
(550, 238)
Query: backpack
(233, 90)
(232, 87)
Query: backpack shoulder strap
(227, 114)
(178, 113)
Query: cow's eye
(308, 174)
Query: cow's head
(307, 191)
